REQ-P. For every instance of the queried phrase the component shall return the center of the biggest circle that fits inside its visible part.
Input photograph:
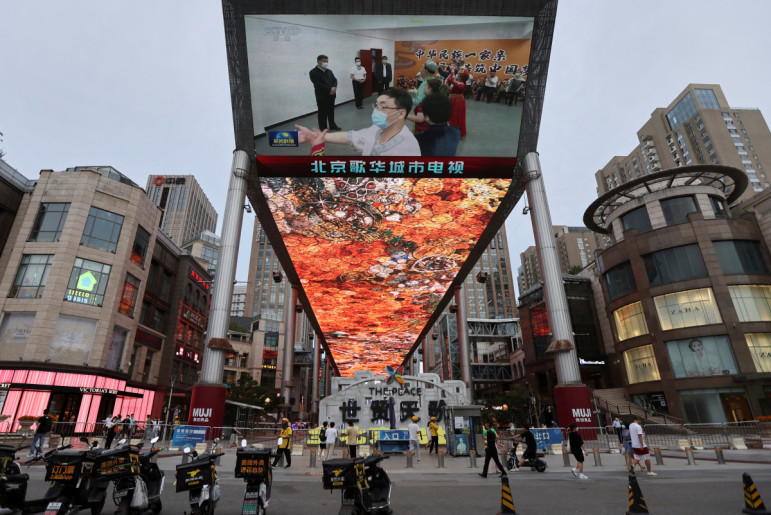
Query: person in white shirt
(490, 87)
(412, 429)
(388, 136)
(331, 439)
(617, 429)
(358, 78)
(639, 448)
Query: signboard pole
(571, 396)
(315, 379)
(207, 405)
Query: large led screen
(385, 146)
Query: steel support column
(315, 379)
(290, 319)
(463, 346)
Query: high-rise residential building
(205, 247)
(698, 127)
(575, 246)
(239, 301)
(187, 211)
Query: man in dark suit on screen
(383, 74)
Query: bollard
(313, 459)
(659, 457)
(597, 458)
(185, 458)
(689, 456)
(345, 453)
(720, 457)
(409, 459)
(472, 456)
(440, 463)
(565, 458)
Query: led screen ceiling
(375, 229)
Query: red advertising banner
(207, 406)
(574, 405)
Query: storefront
(82, 398)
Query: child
(577, 449)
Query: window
(752, 302)
(740, 257)
(703, 356)
(102, 230)
(72, 340)
(641, 365)
(115, 351)
(128, 297)
(630, 321)
(718, 207)
(139, 249)
(674, 264)
(49, 222)
(88, 282)
(677, 208)
(637, 219)
(682, 111)
(620, 281)
(760, 349)
(15, 330)
(707, 99)
(687, 309)
(31, 277)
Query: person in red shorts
(639, 448)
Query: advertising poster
(188, 436)
(700, 357)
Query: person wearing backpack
(44, 425)
(323, 440)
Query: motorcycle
(122, 466)
(253, 465)
(537, 464)
(153, 477)
(366, 487)
(199, 478)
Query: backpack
(45, 424)
(322, 435)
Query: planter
(24, 426)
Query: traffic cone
(636, 499)
(753, 503)
(507, 504)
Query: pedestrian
(491, 450)
(285, 444)
(156, 426)
(639, 448)
(412, 430)
(323, 439)
(383, 74)
(628, 451)
(530, 452)
(352, 435)
(358, 78)
(617, 428)
(433, 431)
(577, 450)
(112, 430)
(325, 89)
(331, 439)
(44, 425)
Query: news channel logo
(283, 138)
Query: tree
(248, 391)
(516, 402)
(235, 326)
(575, 269)
(2, 152)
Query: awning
(241, 404)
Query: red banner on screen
(381, 166)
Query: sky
(143, 87)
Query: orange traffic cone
(636, 499)
(753, 503)
(507, 503)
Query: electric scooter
(122, 466)
(366, 487)
(537, 464)
(199, 478)
(253, 465)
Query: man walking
(491, 450)
(577, 450)
(352, 436)
(412, 430)
(285, 447)
(325, 88)
(44, 425)
(639, 448)
(331, 439)
(323, 439)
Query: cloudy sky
(143, 86)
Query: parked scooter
(153, 477)
(537, 464)
(253, 465)
(366, 486)
(199, 478)
(122, 466)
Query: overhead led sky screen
(377, 229)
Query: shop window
(752, 302)
(641, 365)
(637, 219)
(740, 257)
(88, 282)
(703, 356)
(72, 340)
(128, 297)
(630, 321)
(620, 281)
(31, 276)
(102, 230)
(49, 222)
(760, 349)
(687, 309)
(714, 406)
(674, 264)
(115, 351)
(15, 330)
(141, 244)
(677, 208)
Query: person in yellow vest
(432, 430)
(285, 447)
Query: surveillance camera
(298, 309)
(453, 308)
(525, 210)
(278, 276)
(434, 335)
(482, 277)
